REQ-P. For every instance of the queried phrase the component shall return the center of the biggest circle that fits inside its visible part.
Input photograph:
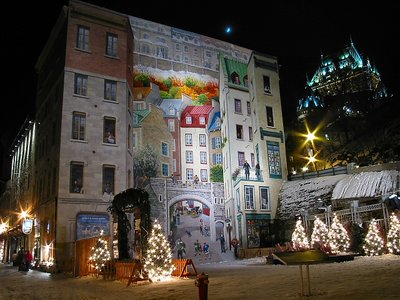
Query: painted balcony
(252, 177)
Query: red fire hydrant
(202, 283)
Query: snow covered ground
(363, 278)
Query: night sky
(297, 32)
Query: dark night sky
(297, 32)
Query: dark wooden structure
(182, 268)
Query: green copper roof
(139, 115)
(235, 71)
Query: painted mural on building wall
(179, 61)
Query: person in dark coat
(246, 168)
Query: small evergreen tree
(158, 259)
(357, 238)
(338, 237)
(100, 254)
(373, 240)
(299, 237)
(319, 235)
(393, 237)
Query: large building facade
(102, 79)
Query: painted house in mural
(172, 109)
(252, 125)
(194, 143)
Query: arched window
(235, 78)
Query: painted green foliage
(216, 174)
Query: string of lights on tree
(393, 237)
(319, 234)
(373, 240)
(100, 253)
(158, 259)
(299, 237)
(338, 237)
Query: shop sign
(27, 225)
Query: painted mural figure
(246, 168)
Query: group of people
(22, 259)
(246, 167)
(200, 249)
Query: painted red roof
(195, 112)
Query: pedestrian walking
(197, 248)
(222, 241)
(180, 248)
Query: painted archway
(185, 197)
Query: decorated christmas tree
(373, 240)
(100, 253)
(393, 236)
(319, 234)
(338, 237)
(299, 237)
(158, 259)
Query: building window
(270, 116)
(112, 45)
(238, 203)
(252, 162)
(250, 133)
(109, 130)
(110, 90)
(82, 40)
(134, 140)
(188, 139)
(80, 85)
(171, 125)
(202, 140)
(203, 157)
(145, 49)
(177, 47)
(189, 157)
(238, 106)
(264, 198)
(216, 142)
(267, 85)
(129, 137)
(217, 158)
(235, 78)
(239, 132)
(108, 179)
(189, 174)
(202, 120)
(162, 52)
(248, 108)
(165, 170)
(203, 175)
(241, 158)
(164, 149)
(78, 126)
(249, 197)
(76, 177)
(274, 160)
(188, 120)
(246, 81)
